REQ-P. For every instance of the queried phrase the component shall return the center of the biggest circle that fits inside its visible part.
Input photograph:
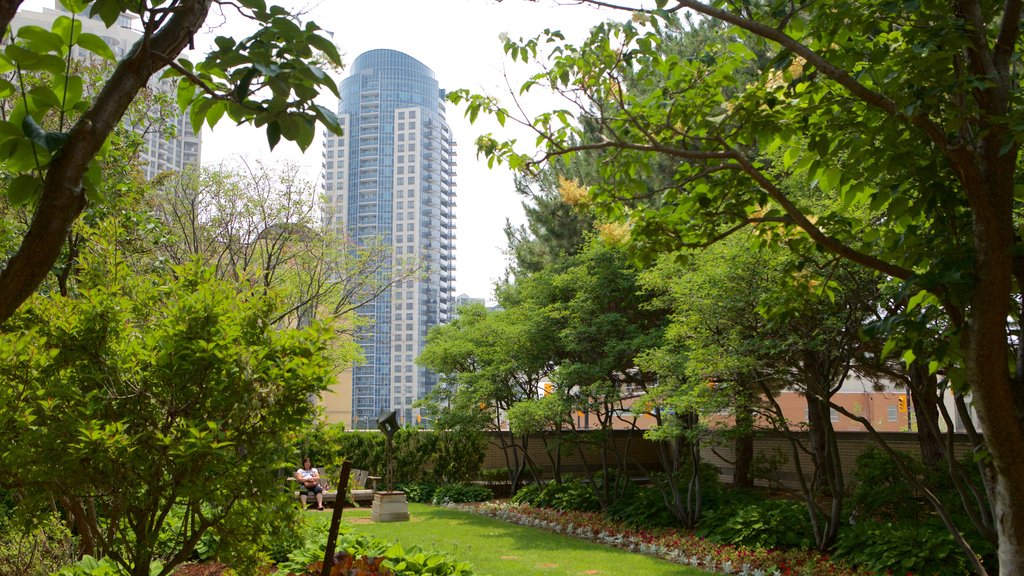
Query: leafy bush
(37, 548)
(569, 495)
(881, 492)
(642, 507)
(493, 474)
(370, 557)
(763, 524)
(89, 566)
(259, 533)
(6, 503)
(225, 387)
(456, 493)
(767, 466)
(420, 455)
(529, 494)
(713, 493)
(421, 492)
(918, 548)
(168, 542)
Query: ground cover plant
(366, 556)
(678, 546)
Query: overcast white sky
(458, 40)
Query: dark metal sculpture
(388, 424)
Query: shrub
(767, 466)
(89, 566)
(880, 491)
(529, 495)
(458, 455)
(421, 492)
(457, 493)
(419, 455)
(168, 542)
(763, 524)
(493, 474)
(642, 507)
(37, 548)
(919, 548)
(713, 493)
(569, 495)
(370, 557)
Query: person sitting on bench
(309, 481)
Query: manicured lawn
(495, 548)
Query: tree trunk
(828, 472)
(743, 474)
(986, 352)
(923, 396)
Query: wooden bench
(358, 492)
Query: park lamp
(388, 424)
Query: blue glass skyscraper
(390, 178)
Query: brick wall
(643, 454)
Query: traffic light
(901, 402)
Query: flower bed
(674, 545)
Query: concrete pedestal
(390, 507)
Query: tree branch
(1009, 31)
(62, 198)
(816, 234)
(7, 10)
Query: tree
(907, 111)
(268, 79)
(604, 320)
(716, 323)
(142, 398)
(490, 361)
(264, 225)
(556, 228)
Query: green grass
(496, 548)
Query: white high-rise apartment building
(390, 178)
(161, 153)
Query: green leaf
(67, 29)
(91, 181)
(107, 10)
(305, 133)
(273, 133)
(44, 95)
(224, 43)
(34, 61)
(74, 6)
(241, 91)
(55, 140)
(325, 45)
(889, 346)
(186, 93)
(69, 90)
(33, 131)
(40, 39)
(215, 113)
(96, 45)
(23, 189)
(257, 5)
(828, 178)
